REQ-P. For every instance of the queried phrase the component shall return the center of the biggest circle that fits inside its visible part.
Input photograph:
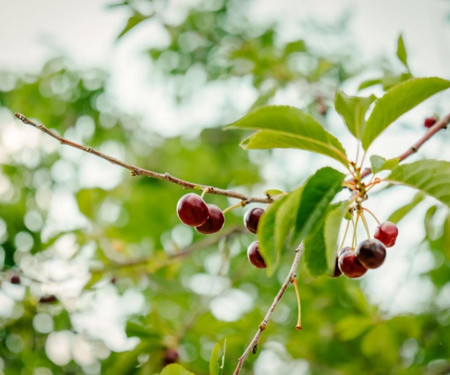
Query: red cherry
(15, 279)
(215, 220)
(48, 299)
(337, 272)
(192, 210)
(349, 265)
(254, 256)
(429, 122)
(170, 356)
(251, 219)
(386, 233)
(371, 253)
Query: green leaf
(273, 192)
(401, 212)
(369, 83)
(222, 364)
(446, 237)
(390, 81)
(175, 369)
(353, 110)
(430, 228)
(132, 22)
(294, 47)
(431, 177)
(379, 163)
(289, 127)
(274, 228)
(214, 361)
(315, 251)
(333, 222)
(285, 219)
(397, 101)
(136, 328)
(266, 236)
(317, 194)
(401, 51)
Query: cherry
(371, 253)
(170, 356)
(214, 222)
(15, 279)
(337, 272)
(251, 219)
(192, 210)
(429, 122)
(48, 299)
(349, 264)
(254, 256)
(386, 233)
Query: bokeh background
(152, 83)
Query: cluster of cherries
(208, 218)
(369, 254)
(251, 221)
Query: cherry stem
(355, 225)
(299, 306)
(345, 235)
(363, 158)
(237, 205)
(254, 342)
(372, 214)
(137, 171)
(366, 227)
(204, 192)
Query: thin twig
(263, 325)
(441, 124)
(137, 171)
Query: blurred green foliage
(126, 234)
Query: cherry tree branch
(252, 345)
(137, 171)
(441, 124)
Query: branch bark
(277, 299)
(137, 171)
(441, 124)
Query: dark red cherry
(350, 265)
(254, 256)
(251, 219)
(15, 279)
(215, 220)
(386, 233)
(170, 356)
(48, 299)
(337, 272)
(371, 253)
(192, 210)
(429, 122)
